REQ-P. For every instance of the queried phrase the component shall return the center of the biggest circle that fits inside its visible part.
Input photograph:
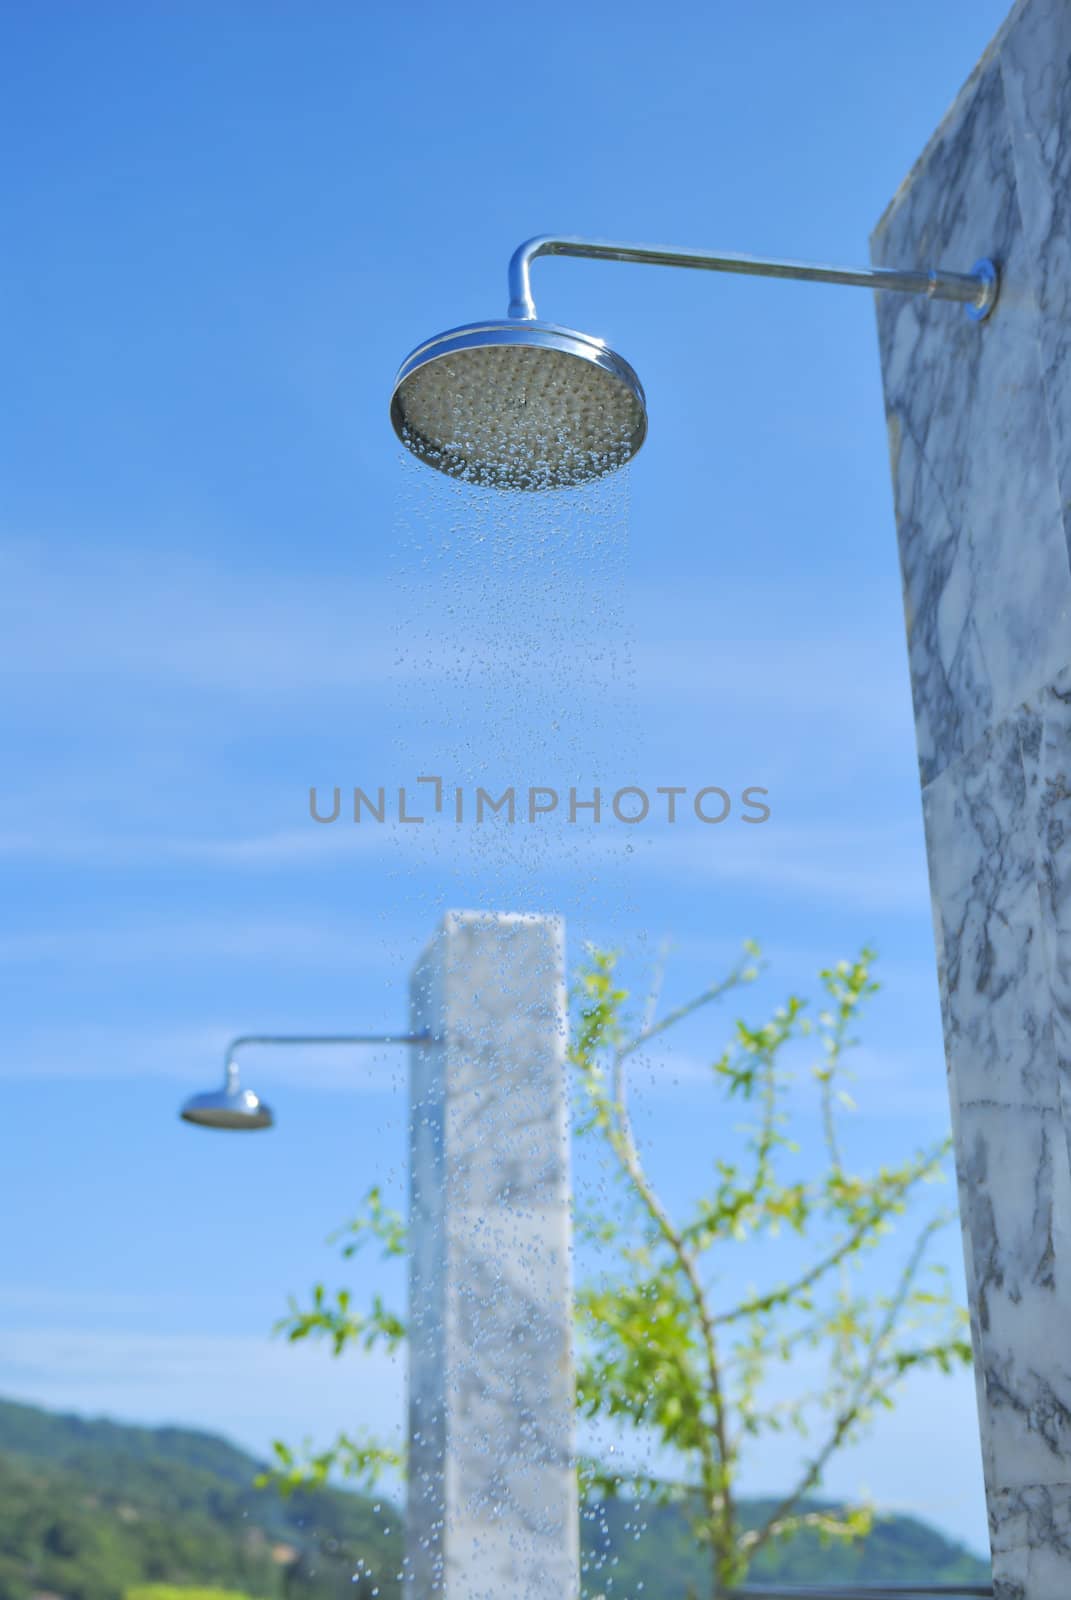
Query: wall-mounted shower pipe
(245, 1039)
(976, 290)
(520, 404)
(234, 1107)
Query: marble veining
(979, 422)
(492, 1487)
(986, 608)
(1035, 66)
(995, 988)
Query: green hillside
(92, 1510)
(665, 1560)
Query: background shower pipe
(233, 1107)
(976, 290)
(245, 1039)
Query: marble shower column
(979, 420)
(492, 1506)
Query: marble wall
(979, 421)
(492, 1508)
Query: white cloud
(253, 637)
(872, 867)
(250, 1389)
(295, 941)
(193, 1058)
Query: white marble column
(492, 1508)
(979, 419)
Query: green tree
(657, 1350)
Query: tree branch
(807, 1279)
(858, 1398)
(628, 1153)
(738, 975)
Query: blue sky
(221, 583)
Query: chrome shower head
(228, 1107)
(524, 404)
(519, 404)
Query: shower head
(519, 404)
(235, 1107)
(524, 404)
(228, 1107)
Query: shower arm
(245, 1039)
(976, 290)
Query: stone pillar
(979, 419)
(492, 1506)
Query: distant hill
(90, 1509)
(666, 1561)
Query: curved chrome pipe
(976, 290)
(234, 1107)
(320, 1038)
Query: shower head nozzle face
(519, 405)
(229, 1107)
